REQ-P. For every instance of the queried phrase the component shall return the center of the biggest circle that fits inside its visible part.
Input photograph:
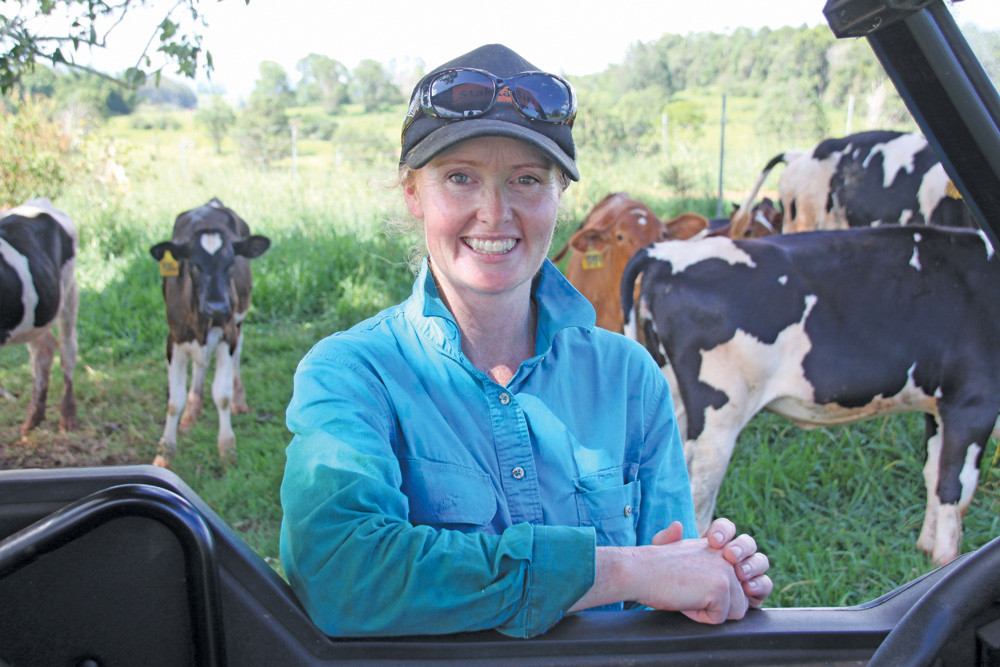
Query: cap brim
(454, 133)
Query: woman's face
(489, 208)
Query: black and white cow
(206, 288)
(828, 328)
(866, 179)
(38, 245)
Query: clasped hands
(711, 579)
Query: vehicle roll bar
(144, 501)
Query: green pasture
(837, 510)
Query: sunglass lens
(461, 93)
(543, 97)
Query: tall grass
(837, 510)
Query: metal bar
(136, 500)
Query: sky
(575, 37)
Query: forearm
(614, 579)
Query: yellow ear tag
(593, 259)
(952, 191)
(168, 265)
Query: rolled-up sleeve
(358, 564)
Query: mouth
(490, 246)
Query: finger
(754, 566)
(672, 533)
(757, 590)
(720, 532)
(739, 548)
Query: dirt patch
(43, 448)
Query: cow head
(622, 225)
(205, 260)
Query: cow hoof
(29, 426)
(161, 462)
(69, 424)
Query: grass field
(838, 510)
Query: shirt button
(505, 398)
(517, 473)
(628, 510)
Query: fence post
(664, 125)
(294, 122)
(722, 156)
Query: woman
(481, 455)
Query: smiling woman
(443, 459)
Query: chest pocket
(610, 506)
(446, 495)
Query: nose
(494, 204)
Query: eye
(459, 177)
(528, 179)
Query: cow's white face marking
(905, 216)
(641, 219)
(211, 242)
(683, 254)
(783, 280)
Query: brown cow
(765, 219)
(616, 228)
(611, 233)
(206, 288)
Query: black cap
(426, 136)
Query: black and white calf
(828, 328)
(206, 288)
(38, 245)
(866, 179)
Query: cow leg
(68, 349)
(951, 480)
(709, 456)
(932, 435)
(176, 386)
(199, 370)
(239, 404)
(222, 394)
(41, 350)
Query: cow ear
(585, 239)
(686, 225)
(158, 250)
(252, 246)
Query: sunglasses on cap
(465, 92)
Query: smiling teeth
(491, 247)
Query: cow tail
(633, 269)
(740, 221)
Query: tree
(263, 126)
(373, 87)
(323, 82)
(33, 153)
(25, 39)
(218, 118)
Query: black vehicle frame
(127, 566)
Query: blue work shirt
(421, 497)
